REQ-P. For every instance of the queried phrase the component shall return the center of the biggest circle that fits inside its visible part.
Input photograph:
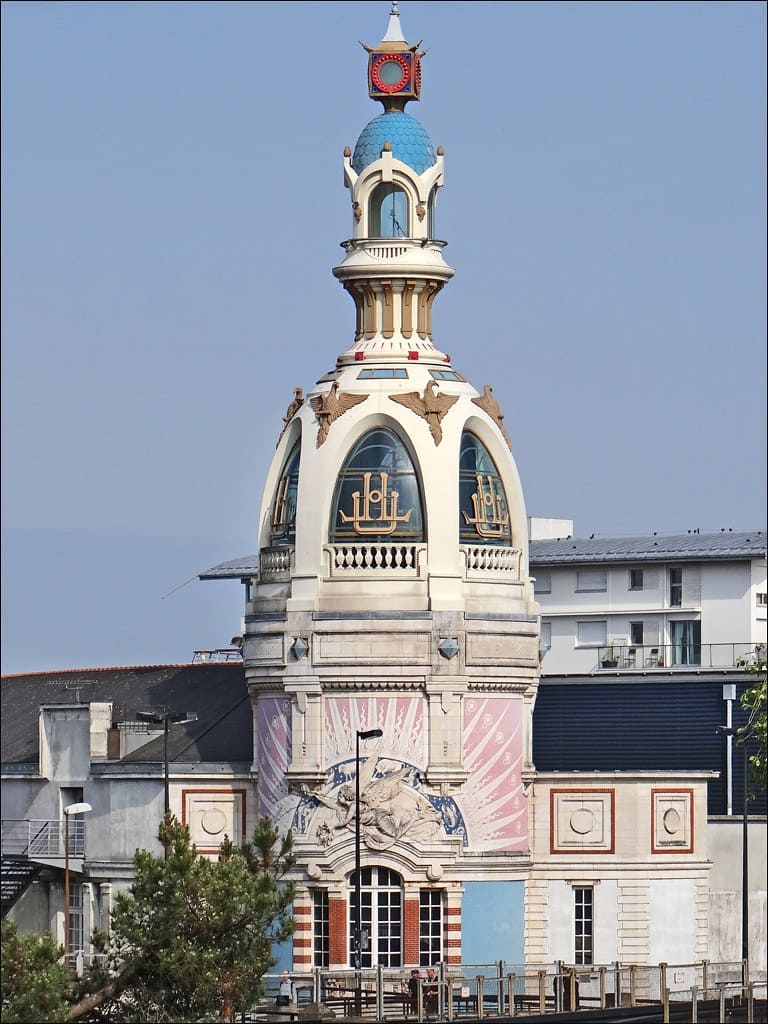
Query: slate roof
(678, 547)
(216, 691)
(658, 722)
(235, 569)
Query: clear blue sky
(172, 171)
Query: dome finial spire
(394, 33)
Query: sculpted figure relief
(431, 406)
(391, 809)
(330, 406)
(488, 404)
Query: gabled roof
(723, 546)
(216, 691)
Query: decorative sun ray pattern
(400, 719)
(492, 799)
(274, 738)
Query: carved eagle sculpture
(431, 406)
(330, 406)
(293, 408)
(488, 404)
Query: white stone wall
(650, 881)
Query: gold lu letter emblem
(490, 518)
(362, 520)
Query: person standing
(413, 990)
(430, 992)
(286, 994)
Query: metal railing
(33, 837)
(492, 991)
(650, 657)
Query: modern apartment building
(646, 604)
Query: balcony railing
(647, 657)
(37, 837)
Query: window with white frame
(591, 581)
(636, 631)
(430, 927)
(636, 579)
(543, 583)
(75, 937)
(592, 633)
(546, 637)
(583, 924)
(321, 933)
(381, 917)
(675, 588)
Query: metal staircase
(16, 877)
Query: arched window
(284, 505)
(377, 495)
(381, 917)
(388, 212)
(483, 509)
(431, 204)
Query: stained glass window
(284, 505)
(483, 509)
(377, 492)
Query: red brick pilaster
(302, 935)
(337, 924)
(453, 933)
(411, 929)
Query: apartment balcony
(657, 657)
(41, 839)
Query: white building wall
(726, 601)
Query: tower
(392, 595)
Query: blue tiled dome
(410, 143)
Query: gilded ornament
(431, 406)
(293, 408)
(488, 404)
(330, 406)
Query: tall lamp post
(162, 716)
(361, 734)
(726, 730)
(71, 809)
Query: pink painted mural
(492, 799)
(400, 718)
(274, 747)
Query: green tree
(34, 982)
(193, 937)
(753, 700)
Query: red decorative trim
(574, 849)
(453, 911)
(219, 792)
(386, 58)
(672, 849)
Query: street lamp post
(725, 730)
(361, 734)
(80, 808)
(162, 716)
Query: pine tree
(193, 937)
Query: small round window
(377, 492)
(483, 509)
(284, 506)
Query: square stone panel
(671, 821)
(582, 821)
(213, 813)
